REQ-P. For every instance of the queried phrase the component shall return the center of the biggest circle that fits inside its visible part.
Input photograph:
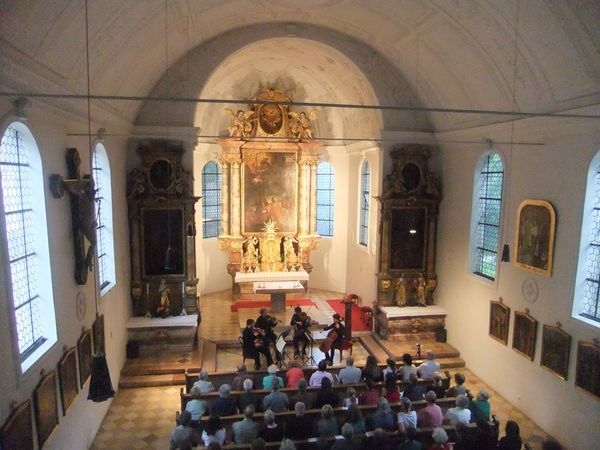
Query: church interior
(425, 173)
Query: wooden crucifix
(83, 213)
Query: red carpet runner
(266, 303)
(357, 323)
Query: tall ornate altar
(268, 191)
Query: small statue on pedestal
(289, 252)
(422, 291)
(401, 291)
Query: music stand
(311, 342)
(280, 347)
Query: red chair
(366, 315)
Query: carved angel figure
(241, 125)
(301, 124)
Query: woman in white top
(407, 368)
(407, 417)
(352, 399)
(460, 414)
(214, 431)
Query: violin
(259, 342)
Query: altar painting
(269, 183)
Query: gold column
(313, 197)
(236, 212)
(224, 198)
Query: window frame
(31, 357)
(364, 197)
(474, 249)
(330, 207)
(218, 204)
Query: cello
(327, 343)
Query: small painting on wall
(536, 222)
(588, 366)
(525, 334)
(45, 405)
(499, 321)
(556, 350)
(17, 432)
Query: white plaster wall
(76, 430)
(555, 172)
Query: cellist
(340, 330)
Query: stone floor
(143, 418)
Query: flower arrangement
(162, 311)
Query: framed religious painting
(67, 377)
(534, 240)
(587, 375)
(556, 350)
(45, 406)
(17, 432)
(84, 356)
(525, 334)
(499, 321)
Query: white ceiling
(436, 53)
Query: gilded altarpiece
(268, 191)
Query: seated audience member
(182, 436)
(245, 431)
(383, 417)
(271, 431)
(258, 444)
(349, 442)
(326, 395)
(414, 391)
(294, 374)
(468, 441)
(352, 399)
(224, 405)
(276, 401)
(480, 408)
(238, 381)
(437, 386)
(301, 426)
(411, 442)
(203, 386)
(372, 370)
(349, 374)
(303, 396)
(551, 444)
(380, 440)
(355, 418)
(429, 368)
(459, 388)
(287, 444)
(196, 407)
(406, 416)
(391, 391)
(440, 439)
(319, 374)
(459, 414)
(268, 379)
(248, 397)
(214, 431)
(327, 426)
(407, 368)
(512, 439)
(370, 396)
(431, 415)
(390, 369)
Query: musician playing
(253, 344)
(301, 323)
(266, 323)
(338, 327)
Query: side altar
(268, 190)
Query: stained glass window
(104, 226)
(325, 198)
(211, 199)
(26, 238)
(365, 189)
(488, 207)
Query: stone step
(209, 356)
(138, 381)
(374, 348)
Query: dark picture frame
(556, 350)
(587, 374)
(98, 334)
(45, 407)
(67, 377)
(17, 431)
(499, 321)
(525, 334)
(534, 238)
(84, 356)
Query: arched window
(586, 305)
(325, 198)
(486, 215)
(25, 253)
(365, 191)
(211, 200)
(104, 231)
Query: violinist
(266, 323)
(254, 344)
(301, 323)
(336, 337)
